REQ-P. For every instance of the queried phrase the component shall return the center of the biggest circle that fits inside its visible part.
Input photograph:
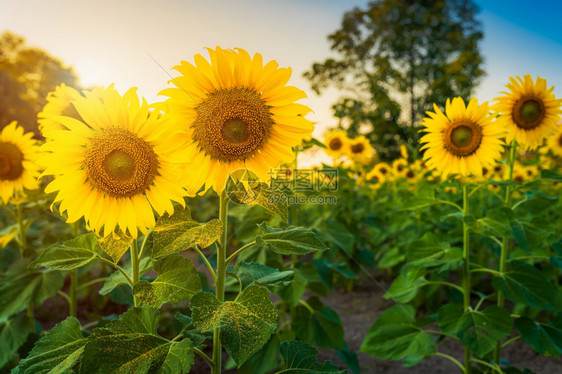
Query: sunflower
(374, 178)
(360, 149)
(399, 166)
(529, 111)
(235, 113)
(18, 162)
(60, 103)
(384, 169)
(404, 151)
(115, 166)
(555, 141)
(463, 140)
(337, 143)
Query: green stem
(448, 284)
(233, 256)
(451, 358)
(508, 342)
(73, 301)
(119, 268)
(451, 204)
(207, 263)
(143, 245)
(493, 367)
(135, 265)
(220, 278)
(466, 268)
(22, 241)
(505, 241)
(204, 356)
(484, 270)
(306, 305)
(83, 286)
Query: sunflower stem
(22, 242)
(466, 268)
(505, 241)
(72, 291)
(220, 278)
(135, 264)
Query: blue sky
(116, 41)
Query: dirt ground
(359, 309)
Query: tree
(27, 75)
(395, 59)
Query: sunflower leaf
(59, 351)
(177, 281)
(246, 324)
(179, 232)
(68, 255)
(20, 286)
(115, 246)
(300, 357)
(13, 333)
(132, 345)
(289, 241)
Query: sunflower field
(184, 236)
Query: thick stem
(466, 269)
(220, 278)
(505, 240)
(22, 241)
(135, 264)
(72, 302)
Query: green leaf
(479, 330)
(177, 280)
(293, 293)
(395, 336)
(117, 279)
(272, 200)
(245, 324)
(58, 352)
(300, 358)
(326, 271)
(424, 198)
(13, 333)
(322, 327)
(289, 241)
(523, 283)
(339, 235)
(68, 255)
(179, 232)
(497, 222)
(546, 339)
(116, 246)
(405, 287)
(20, 286)
(551, 175)
(132, 345)
(249, 272)
(429, 252)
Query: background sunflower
(18, 162)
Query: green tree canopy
(27, 75)
(394, 60)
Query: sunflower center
(335, 144)
(383, 170)
(528, 113)
(119, 163)
(560, 140)
(357, 148)
(463, 138)
(232, 124)
(410, 174)
(11, 158)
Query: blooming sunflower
(360, 149)
(529, 111)
(399, 166)
(404, 151)
(337, 143)
(555, 141)
(18, 162)
(59, 103)
(116, 166)
(463, 140)
(384, 169)
(374, 178)
(235, 113)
